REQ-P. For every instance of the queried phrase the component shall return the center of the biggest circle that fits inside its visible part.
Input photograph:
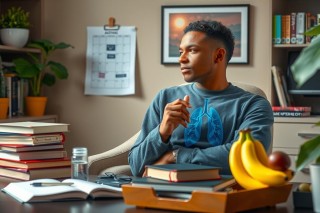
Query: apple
(278, 160)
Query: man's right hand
(175, 114)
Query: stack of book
(291, 111)
(32, 150)
(179, 180)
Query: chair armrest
(111, 158)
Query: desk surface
(10, 205)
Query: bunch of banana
(249, 164)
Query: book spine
(283, 29)
(277, 29)
(287, 35)
(318, 19)
(9, 93)
(291, 114)
(293, 35)
(300, 28)
(307, 26)
(291, 109)
(14, 97)
(278, 86)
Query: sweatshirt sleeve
(149, 146)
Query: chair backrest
(250, 88)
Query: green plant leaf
(307, 63)
(309, 152)
(58, 69)
(25, 69)
(49, 79)
(313, 31)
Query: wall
(102, 122)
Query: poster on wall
(110, 60)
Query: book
(182, 172)
(185, 187)
(291, 108)
(33, 155)
(293, 32)
(278, 86)
(291, 114)
(31, 174)
(277, 29)
(34, 164)
(300, 27)
(23, 148)
(33, 127)
(31, 139)
(80, 190)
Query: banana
(289, 173)
(256, 169)
(261, 152)
(237, 169)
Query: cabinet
(290, 133)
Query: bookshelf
(8, 53)
(287, 135)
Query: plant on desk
(40, 71)
(306, 66)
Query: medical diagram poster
(110, 62)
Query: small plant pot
(4, 106)
(15, 37)
(36, 106)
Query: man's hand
(175, 114)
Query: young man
(198, 122)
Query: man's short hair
(215, 30)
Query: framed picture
(176, 18)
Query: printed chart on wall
(110, 68)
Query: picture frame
(175, 18)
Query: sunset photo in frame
(176, 18)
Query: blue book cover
(277, 25)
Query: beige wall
(102, 122)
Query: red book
(34, 164)
(291, 108)
(31, 174)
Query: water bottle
(79, 167)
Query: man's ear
(220, 55)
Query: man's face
(197, 55)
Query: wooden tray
(202, 201)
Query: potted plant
(306, 66)
(14, 26)
(40, 71)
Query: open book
(80, 189)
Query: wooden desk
(10, 205)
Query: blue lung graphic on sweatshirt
(192, 133)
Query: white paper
(110, 68)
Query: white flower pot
(315, 181)
(15, 37)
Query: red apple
(279, 161)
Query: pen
(42, 184)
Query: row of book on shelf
(31, 150)
(14, 88)
(290, 28)
(287, 107)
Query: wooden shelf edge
(15, 49)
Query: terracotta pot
(35, 106)
(4, 106)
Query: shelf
(4, 48)
(290, 45)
